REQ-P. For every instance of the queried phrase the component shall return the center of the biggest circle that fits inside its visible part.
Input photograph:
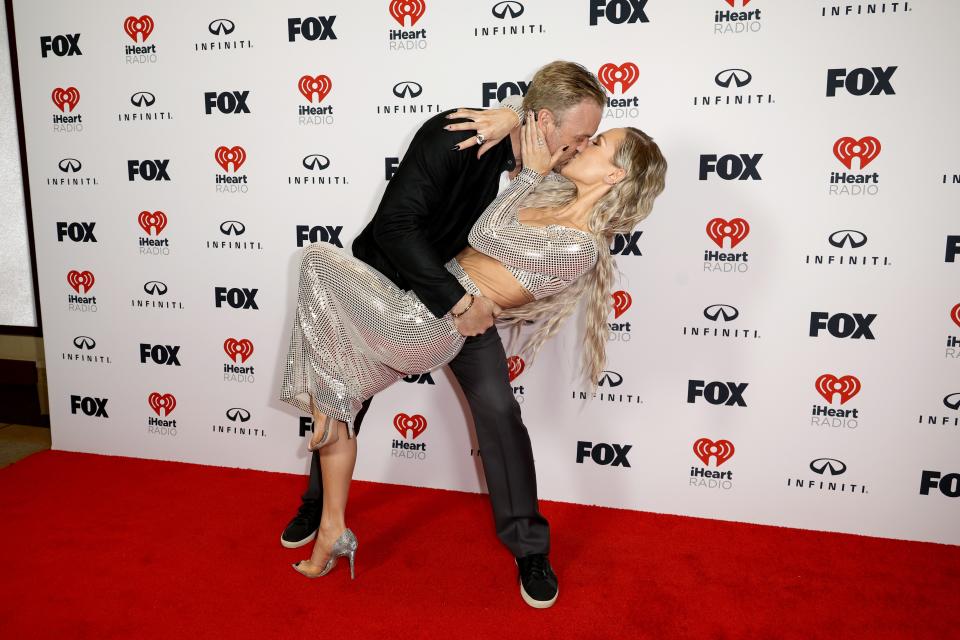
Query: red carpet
(105, 547)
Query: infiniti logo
(610, 379)
(236, 413)
(84, 342)
(232, 228)
(69, 165)
(221, 27)
(855, 239)
(511, 7)
(725, 311)
(407, 89)
(740, 77)
(143, 99)
(834, 466)
(155, 287)
(952, 401)
(316, 162)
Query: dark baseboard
(19, 396)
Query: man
(423, 221)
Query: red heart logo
(413, 9)
(736, 229)
(515, 366)
(164, 403)
(238, 349)
(626, 74)
(156, 221)
(68, 97)
(866, 148)
(142, 25)
(319, 85)
(225, 155)
(80, 279)
(704, 448)
(955, 314)
(415, 424)
(828, 384)
(621, 302)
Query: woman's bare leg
(337, 461)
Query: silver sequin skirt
(355, 333)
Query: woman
(356, 332)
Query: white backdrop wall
(783, 85)
(17, 305)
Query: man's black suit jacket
(432, 201)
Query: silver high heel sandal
(346, 545)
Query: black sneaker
(538, 583)
(303, 528)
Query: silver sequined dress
(356, 332)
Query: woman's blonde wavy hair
(619, 211)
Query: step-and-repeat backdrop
(785, 338)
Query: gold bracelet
(470, 304)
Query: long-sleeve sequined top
(544, 260)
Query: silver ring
(539, 142)
(480, 138)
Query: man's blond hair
(561, 85)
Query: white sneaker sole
(296, 545)
(537, 604)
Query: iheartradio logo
(142, 26)
(515, 366)
(69, 97)
(736, 230)
(415, 424)
(621, 302)
(320, 85)
(846, 387)
(165, 403)
(238, 350)
(156, 221)
(81, 280)
(413, 9)
(955, 314)
(227, 155)
(721, 450)
(866, 149)
(610, 74)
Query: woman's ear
(615, 176)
